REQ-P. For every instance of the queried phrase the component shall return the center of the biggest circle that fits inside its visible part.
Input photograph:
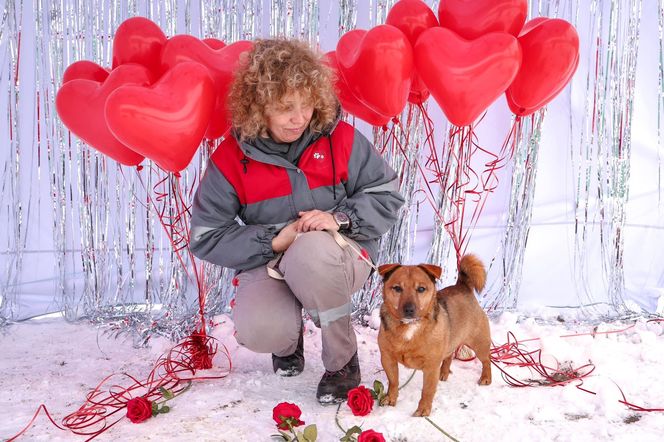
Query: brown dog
(421, 328)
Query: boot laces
(339, 373)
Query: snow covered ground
(56, 363)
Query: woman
(291, 174)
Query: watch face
(341, 219)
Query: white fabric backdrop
(550, 276)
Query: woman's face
(288, 118)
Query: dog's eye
(397, 289)
(421, 289)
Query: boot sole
(288, 372)
(330, 399)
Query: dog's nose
(409, 310)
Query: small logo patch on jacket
(318, 156)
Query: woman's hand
(316, 220)
(285, 237)
(308, 222)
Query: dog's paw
(422, 410)
(485, 377)
(387, 400)
(485, 380)
(445, 374)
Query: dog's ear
(387, 269)
(433, 271)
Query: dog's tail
(472, 272)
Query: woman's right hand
(284, 238)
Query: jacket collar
(266, 150)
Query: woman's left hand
(316, 220)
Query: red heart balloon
(349, 102)
(166, 121)
(530, 24)
(550, 58)
(214, 43)
(419, 93)
(85, 69)
(221, 64)
(80, 105)
(377, 66)
(464, 76)
(516, 109)
(413, 17)
(474, 18)
(138, 40)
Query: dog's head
(409, 292)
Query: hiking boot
(290, 365)
(334, 385)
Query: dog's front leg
(391, 367)
(445, 368)
(430, 375)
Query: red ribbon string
(514, 354)
(173, 210)
(178, 367)
(461, 186)
(173, 371)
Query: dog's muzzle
(409, 310)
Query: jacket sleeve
(373, 200)
(216, 236)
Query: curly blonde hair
(275, 68)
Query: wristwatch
(342, 220)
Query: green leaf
(155, 407)
(165, 409)
(353, 430)
(167, 394)
(378, 387)
(311, 432)
(300, 436)
(280, 436)
(154, 412)
(286, 436)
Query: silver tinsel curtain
(82, 232)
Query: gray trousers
(320, 276)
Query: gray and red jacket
(248, 194)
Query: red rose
(139, 409)
(360, 401)
(286, 413)
(370, 436)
